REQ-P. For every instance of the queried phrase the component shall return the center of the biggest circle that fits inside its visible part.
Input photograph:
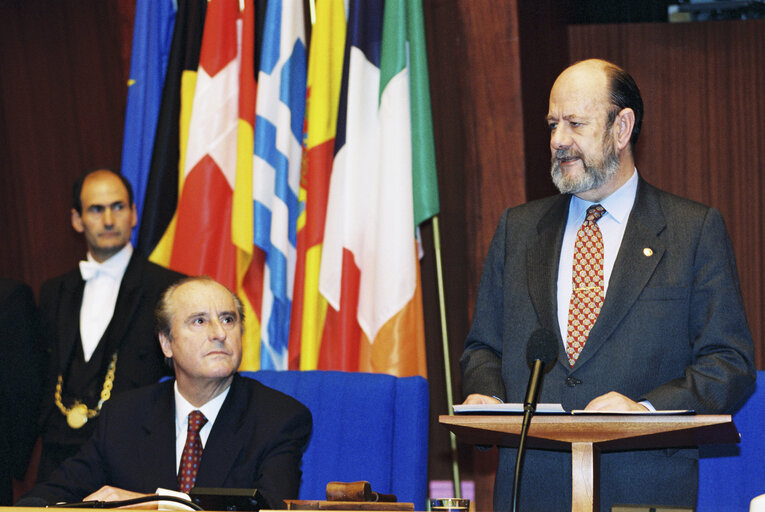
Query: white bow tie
(90, 269)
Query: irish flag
(383, 185)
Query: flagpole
(447, 361)
(312, 10)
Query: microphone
(541, 354)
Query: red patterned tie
(192, 452)
(588, 291)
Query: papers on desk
(668, 412)
(506, 409)
(517, 408)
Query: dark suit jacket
(131, 332)
(20, 382)
(672, 330)
(257, 441)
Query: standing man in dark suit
(248, 435)
(98, 320)
(20, 382)
(656, 320)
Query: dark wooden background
(63, 72)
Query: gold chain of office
(79, 413)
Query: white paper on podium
(515, 408)
(666, 412)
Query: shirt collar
(618, 205)
(183, 408)
(117, 264)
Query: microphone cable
(122, 503)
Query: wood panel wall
(475, 75)
(703, 85)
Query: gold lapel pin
(647, 252)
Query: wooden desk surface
(607, 431)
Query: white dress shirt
(182, 410)
(102, 286)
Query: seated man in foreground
(243, 434)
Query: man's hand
(614, 402)
(475, 398)
(109, 493)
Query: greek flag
(280, 110)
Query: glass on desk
(449, 504)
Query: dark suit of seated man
(251, 436)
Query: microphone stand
(529, 407)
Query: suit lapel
(157, 446)
(221, 449)
(639, 254)
(542, 260)
(69, 317)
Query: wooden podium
(587, 435)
